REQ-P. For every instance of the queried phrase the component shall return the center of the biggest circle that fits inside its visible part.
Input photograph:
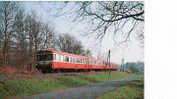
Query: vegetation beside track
(19, 88)
(132, 90)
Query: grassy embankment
(133, 90)
(19, 88)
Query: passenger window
(61, 58)
(74, 60)
(77, 60)
(82, 61)
(66, 59)
(69, 59)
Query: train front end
(45, 61)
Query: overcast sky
(50, 13)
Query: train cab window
(66, 59)
(54, 56)
(44, 57)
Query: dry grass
(13, 71)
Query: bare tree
(33, 27)
(70, 44)
(87, 53)
(39, 35)
(7, 14)
(48, 40)
(30, 35)
(19, 55)
(102, 56)
(117, 17)
(22, 34)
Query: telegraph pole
(122, 65)
(108, 60)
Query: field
(133, 90)
(23, 87)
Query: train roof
(62, 53)
(74, 55)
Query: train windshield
(45, 57)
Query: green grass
(19, 88)
(133, 90)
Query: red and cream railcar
(50, 60)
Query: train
(55, 61)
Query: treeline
(132, 67)
(22, 34)
(135, 66)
